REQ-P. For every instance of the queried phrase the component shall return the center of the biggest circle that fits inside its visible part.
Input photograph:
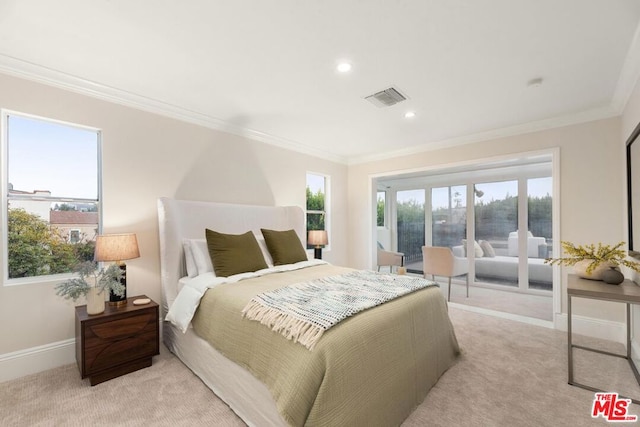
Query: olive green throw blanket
(302, 312)
(371, 369)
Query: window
(74, 236)
(381, 205)
(50, 206)
(317, 203)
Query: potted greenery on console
(596, 262)
(92, 283)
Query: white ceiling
(266, 68)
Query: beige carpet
(510, 374)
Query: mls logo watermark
(612, 408)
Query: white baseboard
(36, 359)
(595, 328)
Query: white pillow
(263, 247)
(477, 250)
(201, 256)
(192, 269)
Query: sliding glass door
(496, 232)
(540, 243)
(449, 217)
(410, 227)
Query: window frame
(4, 194)
(327, 208)
(74, 230)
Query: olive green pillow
(234, 253)
(284, 246)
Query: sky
(538, 187)
(315, 182)
(45, 155)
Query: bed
(373, 368)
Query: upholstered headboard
(183, 219)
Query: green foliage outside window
(34, 249)
(315, 202)
(380, 209)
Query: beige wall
(146, 156)
(591, 194)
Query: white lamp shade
(116, 247)
(318, 238)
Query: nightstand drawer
(118, 329)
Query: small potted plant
(596, 262)
(92, 283)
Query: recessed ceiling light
(344, 67)
(409, 114)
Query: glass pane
(496, 225)
(66, 164)
(52, 244)
(315, 192)
(410, 211)
(381, 208)
(315, 221)
(449, 216)
(540, 225)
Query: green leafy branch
(106, 279)
(599, 254)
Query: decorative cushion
(284, 246)
(487, 249)
(477, 250)
(234, 253)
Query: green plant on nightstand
(92, 284)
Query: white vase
(95, 301)
(580, 269)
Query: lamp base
(116, 300)
(317, 253)
(117, 303)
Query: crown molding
(540, 125)
(37, 73)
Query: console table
(627, 292)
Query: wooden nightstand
(120, 340)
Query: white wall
(146, 156)
(592, 189)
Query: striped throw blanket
(304, 311)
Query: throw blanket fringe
(304, 311)
(291, 328)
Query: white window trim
(4, 193)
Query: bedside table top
(81, 310)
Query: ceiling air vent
(386, 98)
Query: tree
(64, 207)
(33, 249)
(315, 202)
(380, 210)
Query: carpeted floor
(509, 374)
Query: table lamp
(317, 238)
(117, 247)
